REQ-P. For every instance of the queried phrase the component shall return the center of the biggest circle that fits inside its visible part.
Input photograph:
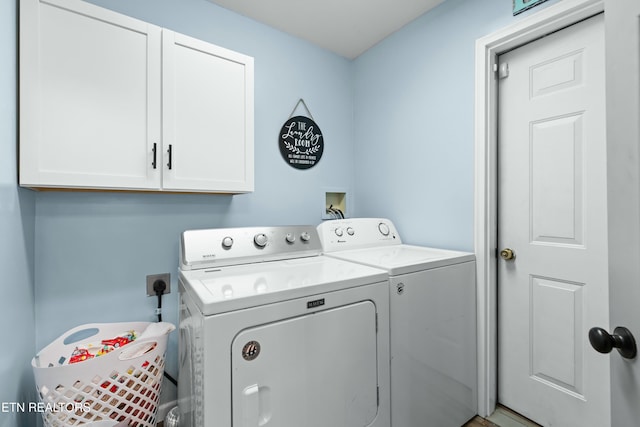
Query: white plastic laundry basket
(120, 386)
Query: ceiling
(346, 27)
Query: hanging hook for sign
(305, 107)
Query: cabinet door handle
(170, 152)
(155, 156)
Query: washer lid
(403, 259)
(219, 290)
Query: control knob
(383, 228)
(290, 238)
(304, 236)
(350, 231)
(227, 242)
(339, 232)
(260, 240)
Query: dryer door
(315, 370)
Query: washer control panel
(219, 247)
(356, 233)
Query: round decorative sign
(301, 143)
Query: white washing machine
(272, 333)
(433, 320)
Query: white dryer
(272, 333)
(433, 320)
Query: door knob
(622, 339)
(507, 254)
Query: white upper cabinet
(207, 116)
(111, 102)
(89, 97)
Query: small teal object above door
(520, 6)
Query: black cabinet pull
(170, 151)
(155, 156)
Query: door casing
(488, 48)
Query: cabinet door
(207, 117)
(89, 97)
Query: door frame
(548, 20)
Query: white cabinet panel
(89, 97)
(208, 115)
(111, 102)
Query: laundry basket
(121, 386)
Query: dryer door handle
(251, 406)
(255, 406)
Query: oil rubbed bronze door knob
(507, 254)
(621, 339)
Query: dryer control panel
(218, 247)
(338, 235)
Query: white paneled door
(552, 204)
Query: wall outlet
(151, 279)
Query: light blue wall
(16, 243)
(414, 106)
(93, 250)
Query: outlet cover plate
(151, 279)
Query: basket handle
(80, 333)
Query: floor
(480, 422)
(502, 417)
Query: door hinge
(503, 70)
